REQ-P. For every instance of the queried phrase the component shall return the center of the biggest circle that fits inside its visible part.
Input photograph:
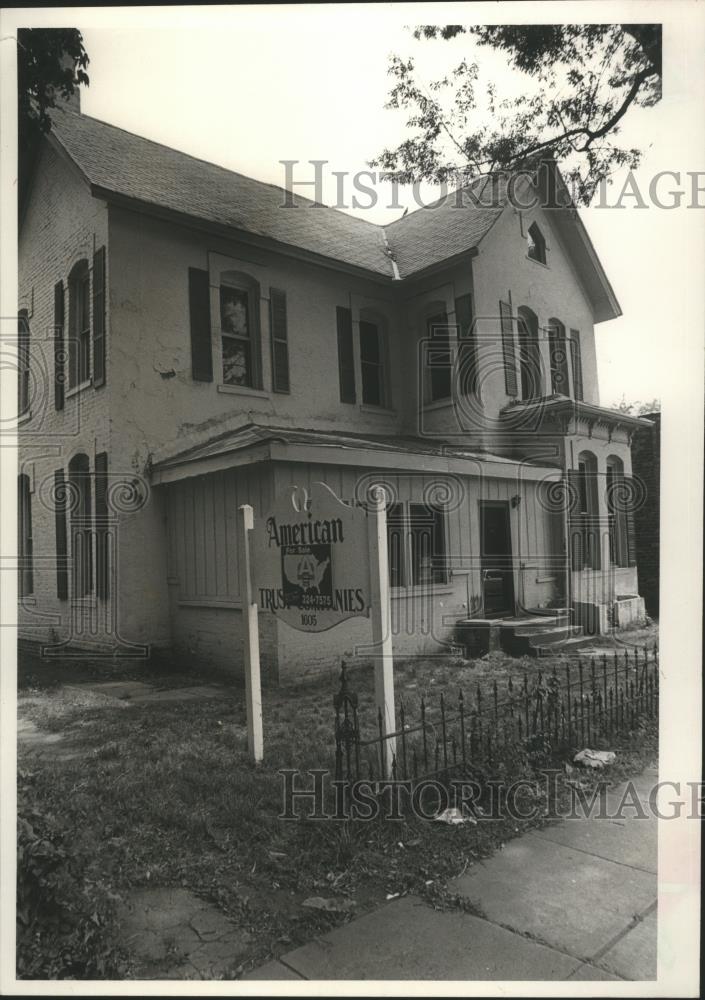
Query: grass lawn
(162, 794)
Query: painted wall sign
(311, 560)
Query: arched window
(616, 506)
(559, 357)
(22, 363)
(25, 561)
(584, 527)
(79, 324)
(374, 355)
(529, 354)
(240, 330)
(536, 244)
(81, 534)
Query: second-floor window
(373, 364)
(240, 330)
(559, 357)
(439, 358)
(79, 325)
(536, 244)
(236, 331)
(373, 349)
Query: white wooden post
(382, 628)
(253, 687)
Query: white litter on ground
(595, 758)
(454, 817)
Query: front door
(496, 559)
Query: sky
(252, 86)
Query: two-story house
(191, 340)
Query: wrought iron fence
(539, 712)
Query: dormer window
(536, 244)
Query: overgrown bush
(65, 922)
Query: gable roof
(116, 162)
(119, 165)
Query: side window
(22, 363)
(577, 364)
(536, 244)
(25, 546)
(617, 513)
(79, 325)
(585, 530)
(560, 382)
(81, 526)
(374, 363)
(439, 358)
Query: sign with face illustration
(311, 562)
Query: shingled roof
(119, 163)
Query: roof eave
(232, 232)
(579, 408)
(605, 306)
(441, 265)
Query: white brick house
(194, 343)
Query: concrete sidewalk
(576, 901)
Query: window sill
(243, 390)
(421, 590)
(74, 390)
(539, 262)
(438, 404)
(382, 410)
(206, 602)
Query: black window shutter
(200, 316)
(508, 349)
(280, 346)
(346, 356)
(102, 581)
(62, 570)
(577, 364)
(467, 344)
(59, 355)
(99, 317)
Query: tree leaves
(51, 62)
(585, 77)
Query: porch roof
(558, 405)
(253, 443)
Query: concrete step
(555, 635)
(528, 631)
(570, 646)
